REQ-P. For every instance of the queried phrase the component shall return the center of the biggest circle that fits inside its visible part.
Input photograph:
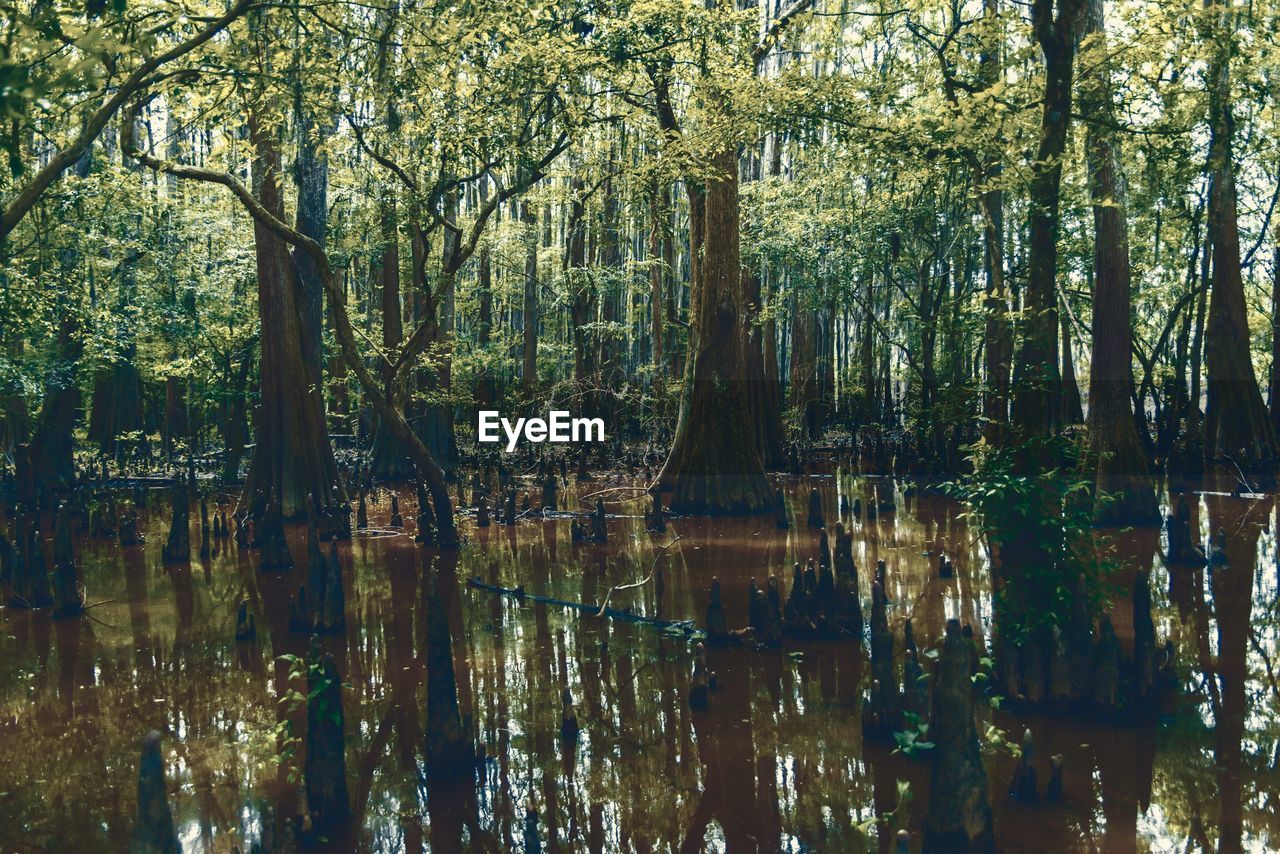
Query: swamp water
(778, 762)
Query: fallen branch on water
(652, 568)
(687, 628)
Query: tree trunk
(764, 410)
(485, 391)
(715, 464)
(53, 441)
(1037, 404)
(1274, 391)
(435, 418)
(1237, 429)
(530, 332)
(292, 457)
(998, 332)
(1113, 437)
(1072, 406)
(804, 378)
(388, 459)
(235, 427)
(583, 309)
(657, 280)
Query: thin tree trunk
(530, 303)
(1037, 406)
(1072, 406)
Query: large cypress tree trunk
(715, 464)
(292, 456)
(1113, 436)
(116, 407)
(1037, 410)
(1237, 430)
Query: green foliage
(1035, 505)
(913, 740)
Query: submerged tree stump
(1080, 641)
(884, 712)
(204, 527)
(1106, 668)
(550, 491)
(656, 518)
(796, 609)
(1144, 635)
(246, 627)
(362, 511)
(67, 601)
(177, 549)
(449, 751)
(153, 832)
(325, 769)
(959, 813)
(816, 519)
(38, 594)
(269, 533)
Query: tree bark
(292, 456)
(264, 219)
(1037, 404)
(1072, 406)
(388, 459)
(1122, 470)
(998, 332)
(1237, 429)
(715, 464)
(530, 303)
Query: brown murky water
(777, 764)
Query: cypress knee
(717, 623)
(816, 519)
(38, 594)
(1022, 785)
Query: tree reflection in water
(777, 762)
